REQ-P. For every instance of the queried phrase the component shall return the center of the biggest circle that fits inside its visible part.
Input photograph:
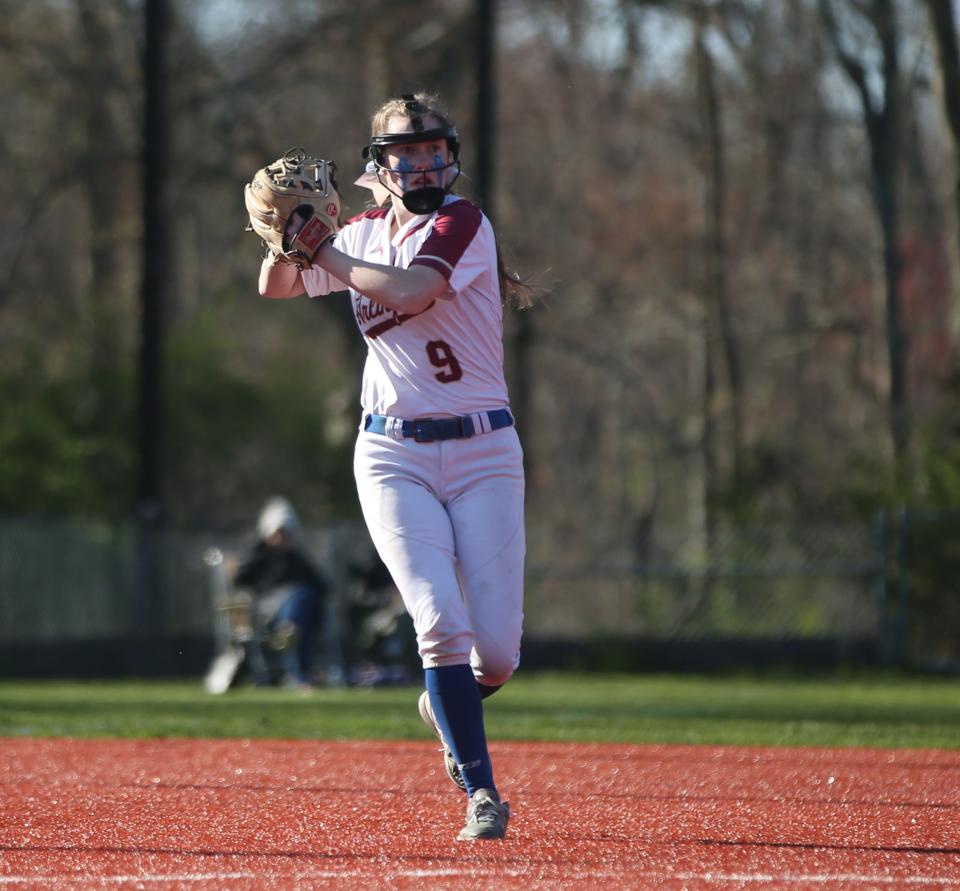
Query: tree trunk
(882, 124)
(948, 51)
(719, 315)
(99, 172)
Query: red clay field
(235, 814)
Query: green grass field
(882, 710)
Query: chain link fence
(773, 582)
(76, 584)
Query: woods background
(742, 217)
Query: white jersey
(447, 359)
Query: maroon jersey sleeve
(454, 229)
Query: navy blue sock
(455, 699)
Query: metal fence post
(903, 585)
(880, 536)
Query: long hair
(513, 289)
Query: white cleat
(487, 817)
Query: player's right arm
(406, 290)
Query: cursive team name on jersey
(375, 318)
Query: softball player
(438, 463)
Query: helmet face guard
(422, 199)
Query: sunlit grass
(885, 710)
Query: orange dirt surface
(285, 814)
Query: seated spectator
(288, 589)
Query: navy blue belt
(434, 429)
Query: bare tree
(945, 29)
(720, 323)
(881, 119)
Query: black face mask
(425, 200)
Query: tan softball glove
(294, 206)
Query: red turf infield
(234, 814)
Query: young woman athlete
(438, 463)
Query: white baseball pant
(447, 520)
